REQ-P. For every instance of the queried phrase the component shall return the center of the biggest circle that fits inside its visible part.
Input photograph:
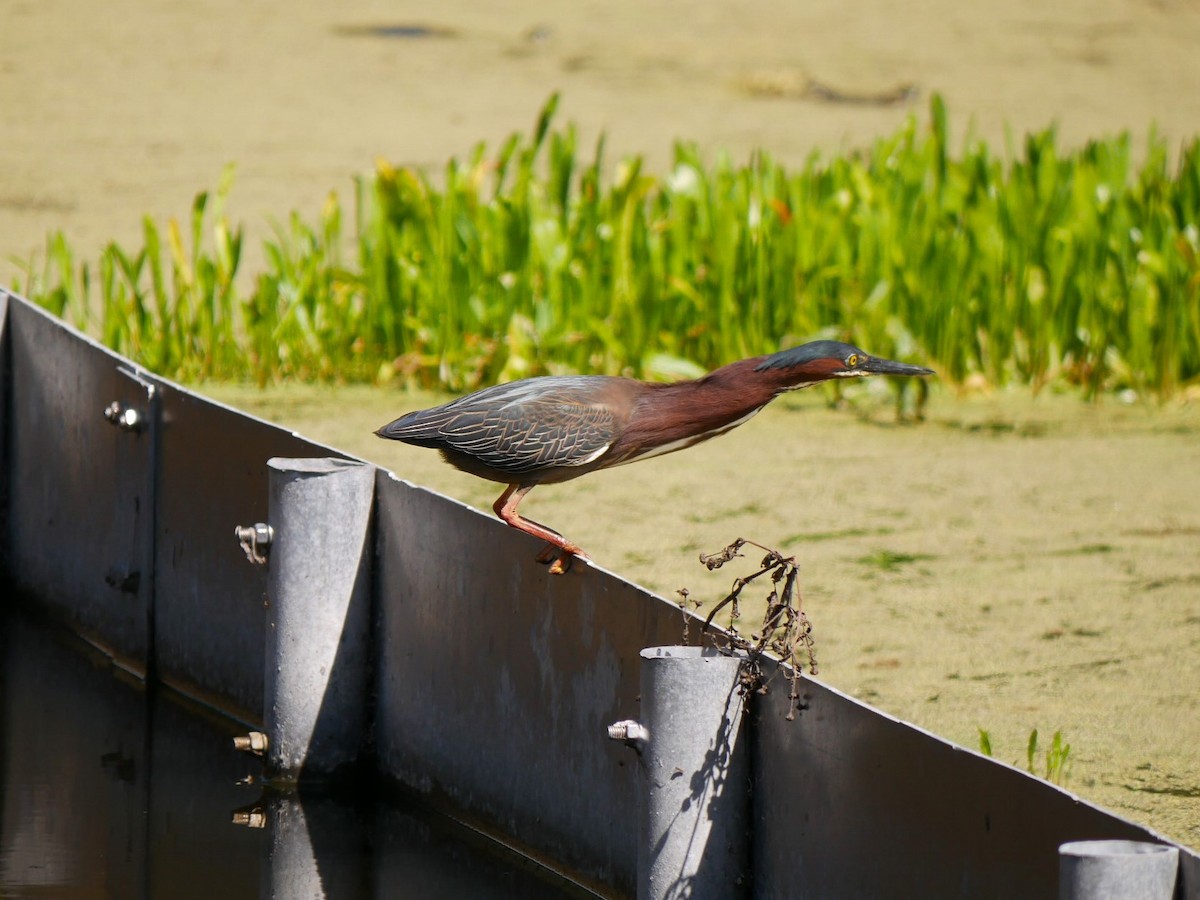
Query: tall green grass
(1040, 266)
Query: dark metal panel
(5, 432)
(79, 525)
(210, 617)
(497, 681)
(852, 803)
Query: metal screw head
(631, 732)
(250, 817)
(124, 417)
(255, 742)
(255, 541)
(255, 818)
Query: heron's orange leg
(506, 508)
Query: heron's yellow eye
(852, 360)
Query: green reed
(1046, 266)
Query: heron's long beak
(875, 365)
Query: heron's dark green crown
(810, 352)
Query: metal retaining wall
(492, 682)
(126, 533)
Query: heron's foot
(559, 558)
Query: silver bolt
(250, 818)
(255, 742)
(255, 541)
(124, 417)
(631, 732)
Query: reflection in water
(112, 791)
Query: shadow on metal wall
(469, 675)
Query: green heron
(554, 428)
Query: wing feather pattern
(517, 428)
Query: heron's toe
(559, 558)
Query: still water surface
(110, 790)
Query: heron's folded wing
(531, 434)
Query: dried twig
(685, 603)
(786, 631)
